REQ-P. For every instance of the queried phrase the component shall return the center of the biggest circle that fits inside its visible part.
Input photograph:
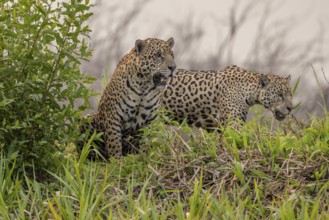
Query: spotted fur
(131, 97)
(208, 99)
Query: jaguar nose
(290, 107)
(172, 67)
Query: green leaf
(41, 10)
(49, 38)
(3, 18)
(296, 85)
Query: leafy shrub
(41, 46)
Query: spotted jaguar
(209, 99)
(132, 96)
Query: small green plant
(41, 46)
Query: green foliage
(258, 172)
(41, 46)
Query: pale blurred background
(270, 36)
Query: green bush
(41, 46)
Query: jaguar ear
(288, 78)
(171, 42)
(263, 81)
(139, 46)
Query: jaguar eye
(281, 96)
(158, 54)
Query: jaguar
(131, 98)
(210, 99)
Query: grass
(259, 172)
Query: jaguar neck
(141, 83)
(249, 87)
